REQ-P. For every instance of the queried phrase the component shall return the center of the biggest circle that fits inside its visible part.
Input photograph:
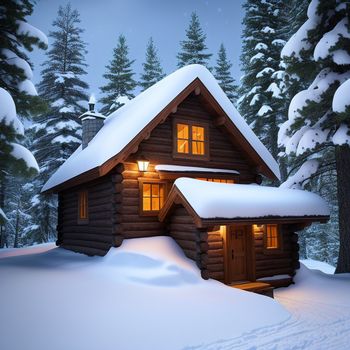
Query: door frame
(250, 251)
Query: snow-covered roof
(122, 126)
(212, 200)
(192, 169)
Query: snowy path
(313, 326)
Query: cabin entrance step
(256, 287)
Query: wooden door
(237, 253)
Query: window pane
(197, 133)
(182, 131)
(155, 203)
(146, 190)
(155, 190)
(182, 146)
(83, 205)
(271, 236)
(197, 147)
(146, 204)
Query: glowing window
(183, 138)
(226, 181)
(272, 237)
(152, 196)
(83, 205)
(190, 139)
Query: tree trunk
(2, 206)
(342, 154)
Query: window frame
(216, 179)
(85, 193)
(143, 181)
(190, 155)
(279, 247)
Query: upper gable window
(191, 139)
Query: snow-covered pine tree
(120, 82)
(223, 75)
(299, 74)
(17, 95)
(262, 89)
(318, 123)
(193, 48)
(152, 70)
(56, 133)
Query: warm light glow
(182, 138)
(197, 140)
(258, 228)
(142, 164)
(190, 139)
(83, 205)
(222, 230)
(271, 237)
(152, 196)
(226, 181)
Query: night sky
(164, 20)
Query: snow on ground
(320, 309)
(318, 265)
(147, 295)
(144, 295)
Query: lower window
(153, 195)
(272, 240)
(226, 181)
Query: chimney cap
(91, 113)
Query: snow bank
(321, 287)
(318, 265)
(129, 120)
(320, 309)
(143, 295)
(220, 200)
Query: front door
(237, 253)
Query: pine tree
(120, 81)
(152, 70)
(223, 75)
(193, 49)
(56, 133)
(17, 95)
(262, 90)
(318, 127)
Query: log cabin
(179, 160)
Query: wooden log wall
(283, 262)
(96, 237)
(224, 154)
(215, 254)
(132, 223)
(193, 241)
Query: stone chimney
(91, 122)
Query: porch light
(142, 163)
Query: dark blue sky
(165, 20)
